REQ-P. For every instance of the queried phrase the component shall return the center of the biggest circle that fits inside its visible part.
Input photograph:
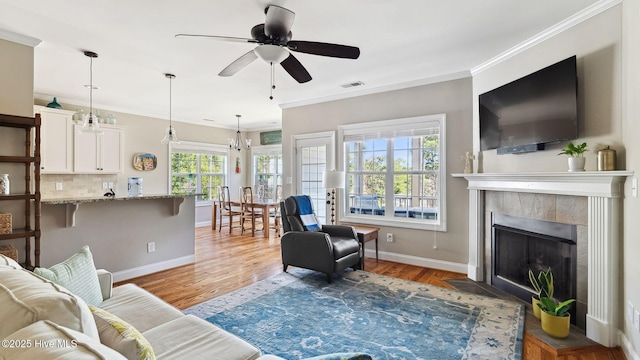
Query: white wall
(597, 43)
(16, 72)
(631, 130)
(452, 98)
(16, 98)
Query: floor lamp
(333, 180)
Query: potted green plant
(543, 286)
(575, 153)
(555, 319)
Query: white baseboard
(152, 268)
(627, 347)
(418, 261)
(204, 224)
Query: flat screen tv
(532, 111)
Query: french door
(314, 154)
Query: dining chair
(275, 214)
(226, 209)
(247, 212)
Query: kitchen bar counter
(129, 236)
(79, 200)
(73, 204)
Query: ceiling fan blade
(324, 49)
(278, 22)
(295, 69)
(239, 64)
(223, 38)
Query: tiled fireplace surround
(590, 200)
(558, 208)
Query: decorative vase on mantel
(576, 163)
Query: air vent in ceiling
(352, 84)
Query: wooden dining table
(265, 204)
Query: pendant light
(237, 142)
(170, 135)
(90, 121)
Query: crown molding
(564, 25)
(19, 38)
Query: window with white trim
(198, 168)
(395, 172)
(267, 168)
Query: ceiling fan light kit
(274, 39)
(271, 54)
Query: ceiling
(401, 42)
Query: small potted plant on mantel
(575, 153)
(543, 286)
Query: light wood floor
(226, 262)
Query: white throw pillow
(78, 275)
(121, 336)
(47, 340)
(26, 298)
(7, 261)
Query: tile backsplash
(74, 185)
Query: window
(394, 172)
(267, 168)
(198, 168)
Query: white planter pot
(576, 163)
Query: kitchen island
(129, 236)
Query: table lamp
(333, 180)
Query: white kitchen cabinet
(99, 153)
(56, 140)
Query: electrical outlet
(151, 247)
(389, 237)
(105, 185)
(636, 320)
(58, 186)
(629, 311)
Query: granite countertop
(78, 200)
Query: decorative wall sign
(144, 161)
(271, 137)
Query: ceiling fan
(274, 39)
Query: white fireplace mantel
(604, 190)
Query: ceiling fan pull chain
(273, 86)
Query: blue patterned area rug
(297, 315)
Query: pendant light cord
(90, 89)
(170, 128)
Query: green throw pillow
(121, 336)
(78, 275)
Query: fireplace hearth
(520, 244)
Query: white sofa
(43, 320)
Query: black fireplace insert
(520, 244)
